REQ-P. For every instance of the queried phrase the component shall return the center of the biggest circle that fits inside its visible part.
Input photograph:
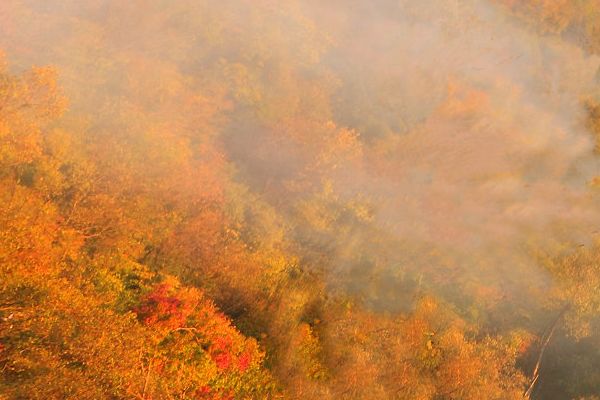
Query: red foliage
(203, 392)
(244, 361)
(162, 309)
(223, 360)
(220, 352)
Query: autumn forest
(300, 199)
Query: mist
(470, 126)
(406, 147)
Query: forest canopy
(297, 199)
